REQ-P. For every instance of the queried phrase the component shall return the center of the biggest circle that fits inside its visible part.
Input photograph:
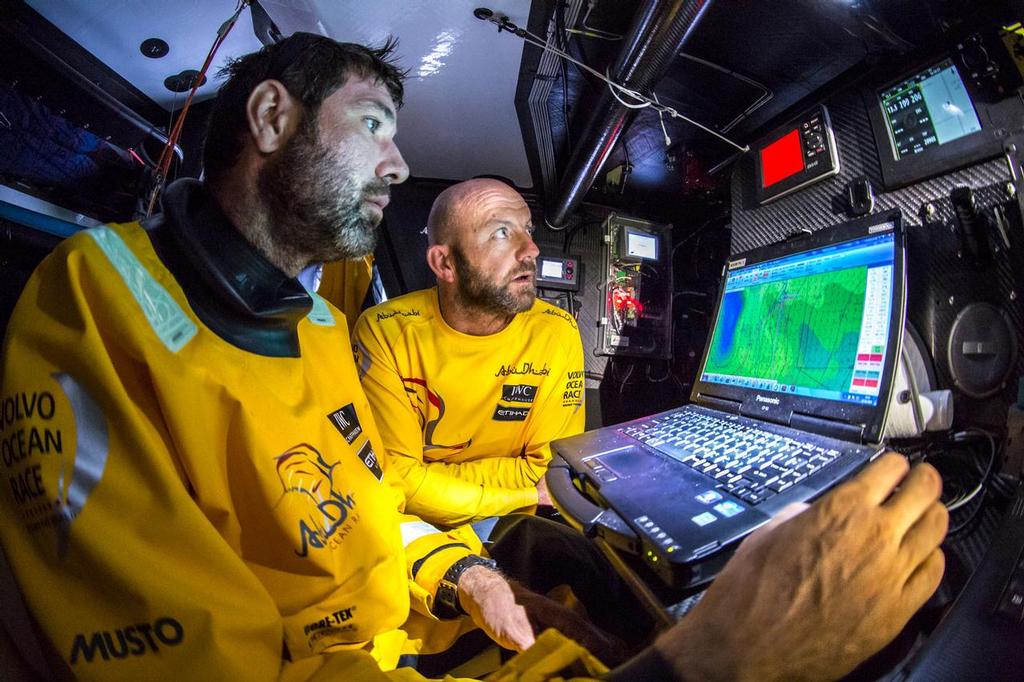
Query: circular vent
(154, 48)
(982, 349)
(182, 82)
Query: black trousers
(542, 554)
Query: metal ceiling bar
(659, 30)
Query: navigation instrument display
(795, 155)
(930, 108)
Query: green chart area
(802, 331)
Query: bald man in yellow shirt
(472, 379)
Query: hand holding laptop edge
(815, 595)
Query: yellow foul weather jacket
(179, 505)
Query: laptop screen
(813, 324)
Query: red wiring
(164, 164)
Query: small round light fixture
(182, 82)
(154, 48)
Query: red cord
(164, 164)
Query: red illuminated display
(781, 159)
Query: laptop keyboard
(750, 462)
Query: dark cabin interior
(90, 93)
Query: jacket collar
(234, 290)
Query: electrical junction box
(637, 289)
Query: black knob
(975, 57)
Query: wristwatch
(446, 600)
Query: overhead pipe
(659, 30)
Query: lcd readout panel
(929, 109)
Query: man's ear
(272, 114)
(439, 258)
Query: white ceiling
(459, 118)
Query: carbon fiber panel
(941, 281)
(812, 208)
(587, 244)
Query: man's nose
(393, 167)
(528, 250)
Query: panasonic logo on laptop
(765, 399)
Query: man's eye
(501, 233)
(372, 123)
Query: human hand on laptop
(815, 595)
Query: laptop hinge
(720, 404)
(828, 427)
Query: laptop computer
(790, 399)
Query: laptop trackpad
(630, 461)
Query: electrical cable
(590, 31)
(136, 157)
(625, 379)
(164, 164)
(955, 468)
(571, 234)
(537, 41)
(766, 92)
(696, 233)
(668, 373)
(985, 475)
(661, 119)
(564, 70)
(644, 103)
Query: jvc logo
(133, 640)
(518, 393)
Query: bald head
(482, 252)
(460, 207)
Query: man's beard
(476, 292)
(316, 208)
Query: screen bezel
(800, 179)
(871, 416)
(630, 233)
(938, 159)
(544, 263)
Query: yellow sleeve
(430, 491)
(558, 413)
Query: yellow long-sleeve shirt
(467, 420)
(179, 506)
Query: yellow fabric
(467, 420)
(345, 284)
(186, 513)
(552, 658)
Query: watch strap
(446, 599)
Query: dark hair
(310, 66)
